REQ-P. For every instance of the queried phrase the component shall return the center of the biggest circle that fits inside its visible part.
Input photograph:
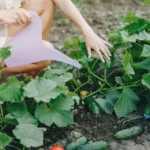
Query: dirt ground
(102, 15)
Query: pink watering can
(28, 47)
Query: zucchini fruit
(129, 133)
(100, 145)
(92, 105)
(78, 142)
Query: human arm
(92, 40)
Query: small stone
(139, 140)
(76, 134)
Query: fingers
(107, 50)
(27, 15)
(108, 44)
(104, 51)
(22, 17)
(89, 51)
(99, 54)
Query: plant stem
(1, 110)
(14, 147)
(81, 86)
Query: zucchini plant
(27, 104)
(119, 84)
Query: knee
(43, 64)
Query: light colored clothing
(7, 5)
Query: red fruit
(57, 148)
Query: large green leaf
(127, 38)
(61, 79)
(27, 118)
(142, 36)
(107, 107)
(11, 91)
(112, 97)
(146, 80)
(41, 90)
(126, 103)
(146, 51)
(58, 113)
(4, 140)
(17, 109)
(29, 135)
(127, 58)
(137, 26)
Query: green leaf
(146, 51)
(27, 118)
(115, 36)
(4, 140)
(17, 109)
(10, 120)
(145, 64)
(131, 17)
(41, 90)
(112, 97)
(126, 103)
(119, 80)
(13, 90)
(75, 54)
(126, 63)
(142, 36)
(61, 79)
(146, 80)
(58, 113)
(73, 96)
(5, 52)
(71, 42)
(126, 38)
(29, 135)
(137, 26)
(146, 2)
(107, 107)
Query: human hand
(15, 17)
(100, 46)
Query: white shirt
(7, 4)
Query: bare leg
(45, 9)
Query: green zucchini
(92, 105)
(78, 142)
(129, 133)
(100, 145)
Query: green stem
(92, 93)
(94, 64)
(81, 86)
(14, 147)
(1, 110)
(113, 72)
